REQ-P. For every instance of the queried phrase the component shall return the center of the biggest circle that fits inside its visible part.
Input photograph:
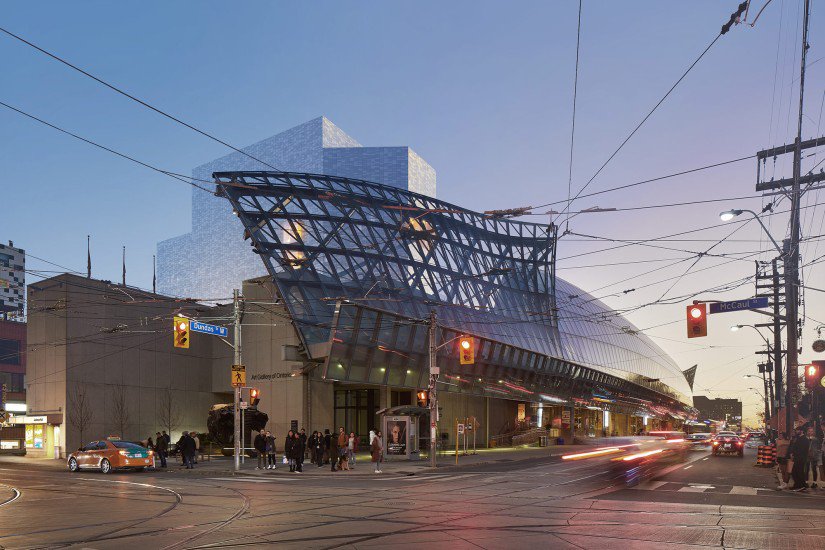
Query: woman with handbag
(377, 451)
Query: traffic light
(423, 398)
(254, 397)
(466, 350)
(697, 320)
(181, 332)
(814, 373)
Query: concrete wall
(93, 337)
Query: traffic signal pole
(432, 390)
(792, 256)
(236, 316)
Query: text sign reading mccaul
(738, 305)
(197, 326)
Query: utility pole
(777, 340)
(792, 269)
(236, 316)
(432, 390)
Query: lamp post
(791, 317)
(764, 397)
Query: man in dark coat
(319, 449)
(161, 447)
(799, 452)
(299, 449)
(260, 448)
(327, 445)
(186, 447)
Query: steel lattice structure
(349, 256)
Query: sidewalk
(220, 465)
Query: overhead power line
(133, 98)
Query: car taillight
(716, 443)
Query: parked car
(106, 455)
(728, 443)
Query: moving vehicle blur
(700, 440)
(108, 455)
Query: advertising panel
(396, 435)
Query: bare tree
(80, 410)
(120, 409)
(169, 416)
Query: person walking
(342, 449)
(270, 451)
(289, 443)
(160, 449)
(799, 449)
(377, 451)
(319, 449)
(260, 448)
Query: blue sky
(482, 90)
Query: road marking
(251, 479)
(705, 458)
(739, 490)
(653, 485)
(694, 489)
(686, 467)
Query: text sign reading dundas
(197, 326)
(738, 305)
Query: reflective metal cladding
(359, 264)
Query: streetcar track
(14, 490)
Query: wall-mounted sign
(818, 346)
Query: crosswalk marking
(692, 489)
(738, 490)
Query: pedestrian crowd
(189, 446)
(799, 459)
(338, 451)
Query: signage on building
(29, 419)
(738, 305)
(205, 328)
(565, 418)
(818, 346)
(238, 376)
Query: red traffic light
(697, 320)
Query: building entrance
(355, 410)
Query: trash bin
(543, 441)
(559, 441)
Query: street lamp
(728, 215)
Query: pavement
(495, 500)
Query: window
(128, 446)
(14, 382)
(9, 351)
(91, 446)
(355, 410)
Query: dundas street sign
(197, 326)
(738, 305)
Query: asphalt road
(507, 504)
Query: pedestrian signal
(181, 332)
(254, 397)
(697, 320)
(466, 350)
(423, 398)
(814, 374)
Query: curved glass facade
(349, 256)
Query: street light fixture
(728, 215)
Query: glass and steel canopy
(360, 264)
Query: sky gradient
(481, 90)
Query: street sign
(243, 405)
(205, 328)
(738, 305)
(2, 416)
(238, 376)
(460, 429)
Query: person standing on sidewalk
(377, 451)
(260, 448)
(160, 449)
(342, 448)
(186, 448)
(352, 448)
(782, 450)
(197, 440)
(312, 443)
(289, 443)
(299, 449)
(814, 456)
(270, 451)
(320, 450)
(800, 447)
(327, 446)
